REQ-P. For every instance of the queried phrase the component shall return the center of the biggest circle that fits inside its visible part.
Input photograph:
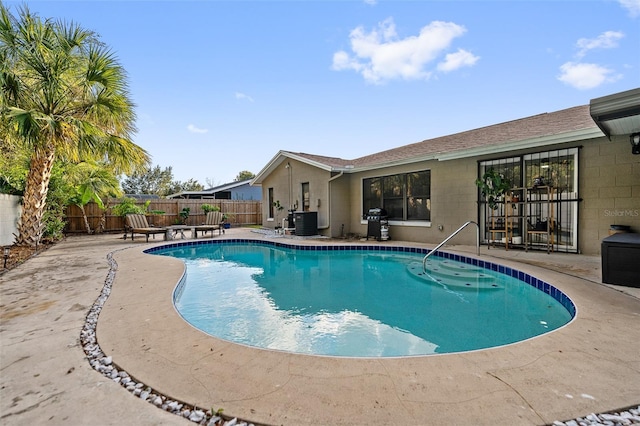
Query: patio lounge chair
(213, 221)
(137, 224)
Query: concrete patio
(591, 365)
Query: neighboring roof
(228, 186)
(183, 194)
(617, 114)
(143, 196)
(539, 130)
(214, 190)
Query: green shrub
(54, 224)
(209, 208)
(184, 215)
(127, 206)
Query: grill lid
(377, 211)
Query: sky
(221, 86)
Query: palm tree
(92, 182)
(63, 95)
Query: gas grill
(377, 224)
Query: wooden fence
(239, 213)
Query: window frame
(270, 201)
(559, 168)
(376, 190)
(306, 196)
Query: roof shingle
(537, 126)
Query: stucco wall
(340, 220)
(609, 187)
(282, 179)
(9, 214)
(453, 202)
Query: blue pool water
(362, 303)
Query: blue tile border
(543, 286)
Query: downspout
(331, 179)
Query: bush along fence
(162, 212)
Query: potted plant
(493, 186)
(516, 236)
(225, 217)
(183, 216)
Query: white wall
(10, 209)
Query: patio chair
(137, 224)
(213, 221)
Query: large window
(557, 169)
(405, 196)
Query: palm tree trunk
(103, 218)
(35, 196)
(86, 220)
(102, 223)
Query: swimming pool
(362, 301)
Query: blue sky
(222, 86)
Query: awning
(617, 114)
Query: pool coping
(533, 382)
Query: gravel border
(627, 416)
(105, 365)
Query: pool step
(448, 267)
(454, 275)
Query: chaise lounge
(137, 224)
(213, 221)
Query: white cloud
(381, 55)
(370, 2)
(585, 76)
(243, 96)
(194, 129)
(633, 6)
(453, 61)
(606, 40)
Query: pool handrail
(424, 261)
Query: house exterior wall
(608, 185)
(608, 179)
(454, 197)
(453, 202)
(341, 210)
(287, 188)
(609, 182)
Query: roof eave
(577, 135)
(266, 170)
(310, 162)
(403, 162)
(279, 158)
